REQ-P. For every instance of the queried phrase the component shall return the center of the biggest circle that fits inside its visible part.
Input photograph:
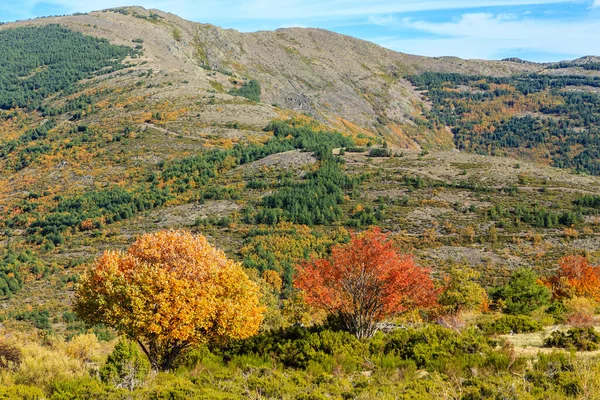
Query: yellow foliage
(83, 347)
(41, 366)
(430, 236)
(358, 208)
(273, 279)
(468, 234)
(172, 289)
(288, 243)
(570, 233)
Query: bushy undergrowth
(126, 367)
(426, 362)
(433, 347)
(582, 339)
(10, 356)
(510, 324)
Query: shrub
(439, 349)
(522, 294)
(581, 339)
(10, 356)
(354, 149)
(21, 392)
(296, 347)
(83, 347)
(461, 291)
(555, 370)
(40, 318)
(41, 366)
(580, 312)
(510, 323)
(79, 388)
(380, 152)
(576, 276)
(126, 367)
(250, 90)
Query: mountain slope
(346, 82)
(158, 136)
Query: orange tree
(365, 281)
(170, 291)
(576, 277)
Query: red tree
(365, 281)
(576, 277)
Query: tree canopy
(171, 290)
(522, 294)
(365, 281)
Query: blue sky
(537, 30)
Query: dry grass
(531, 344)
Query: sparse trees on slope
(170, 291)
(365, 281)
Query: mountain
(340, 80)
(275, 144)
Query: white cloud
(205, 11)
(483, 35)
(596, 3)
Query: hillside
(103, 155)
(157, 89)
(339, 80)
(276, 146)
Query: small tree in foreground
(170, 291)
(125, 367)
(364, 282)
(522, 294)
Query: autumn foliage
(365, 281)
(171, 290)
(576, 277)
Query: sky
(536, 30)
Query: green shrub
(354, 149)
(522, 294)
(250, 90)
(380, 152)
(510, 323)
(581, 339)
(437, 348)
(21, 392)
(296, 347)
(78, 388)
(555, 370)
(125, 367)
(103, 333)
(462, 292)
(40, 318)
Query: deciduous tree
(171, 290)
(365, 281)
(576, 277)
(461, 291)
